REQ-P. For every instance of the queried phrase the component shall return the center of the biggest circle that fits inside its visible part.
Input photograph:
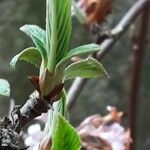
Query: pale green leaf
(58, 29)
(38, 36)
(4, 87)
(30, 55)
(65, 136)
(89, 68)
(81, 50)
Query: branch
(138, 47)
(33, 108)
(117, 32)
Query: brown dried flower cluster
(104, 133)
(96, 10)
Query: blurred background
(98, 93)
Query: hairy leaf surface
(58, 29)
(81, 50)
(30, 55)
(65, 136)
(38, 36)
(89, 68)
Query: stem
(74, 92)
(139, 46)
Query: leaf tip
(22, 28)
(13, 63)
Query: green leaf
(30, 55)
(81, 50)
(58, 29)
(4, 87)
(65, 136)
(38, 36)
(61, 106)
(89, 68)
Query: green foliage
(58, 29)
(65, 136)
(30, 55)
(81, 50)
(61, 106)
(52, 48)
(89, 68)
(4, 87)
(38, 37)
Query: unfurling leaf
(58, 29)
(30, 55)
(4, 87)
(81, 50)
(38, 36)
(89, 68)
(61, 104)
(65, 136)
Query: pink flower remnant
(104, 133)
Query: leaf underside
(30, 55)
(38, 36)
(4, 87)
(81, 50)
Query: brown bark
(139, 46)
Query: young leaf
(81, 50)
(30, 55)
(58, 29)
(38, 36)
(61, 106)
(89, 68)
(4, 87)
(65, 136)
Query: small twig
(74, 91)
(138, 47)
(106, 46)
